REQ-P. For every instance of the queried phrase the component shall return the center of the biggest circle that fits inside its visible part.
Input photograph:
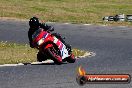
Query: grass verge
(75, 11)
(12, 53)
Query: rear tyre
(41, 57)
(52, 53)
(71, 59)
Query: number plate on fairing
(62, 47)
(64, 52)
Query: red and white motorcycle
(51, 47)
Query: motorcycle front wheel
(53, 54)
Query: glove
(51, 29)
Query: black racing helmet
(34, 22)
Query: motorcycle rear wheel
(71, 59)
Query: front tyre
(53, 54)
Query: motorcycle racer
(35, 25)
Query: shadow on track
(42, 63)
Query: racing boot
(68, 47)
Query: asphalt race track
(112, 45)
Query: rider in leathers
(35, 25)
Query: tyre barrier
(129, 18)
(120, 17)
